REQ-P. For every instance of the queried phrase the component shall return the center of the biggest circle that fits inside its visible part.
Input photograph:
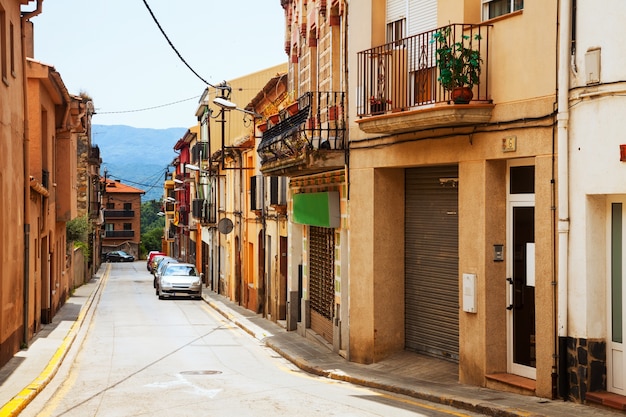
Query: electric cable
(173, 47)
(147, 108)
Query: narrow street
(141, 356)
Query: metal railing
(318, 124)
(403, 74)
(119, 233)
(119, 213)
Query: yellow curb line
(17, 404)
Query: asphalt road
(141, 356)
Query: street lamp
(224, 104)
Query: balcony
(119, 214)
(119, 233)
(310, 140)
(399, 90)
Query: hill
(137, 156)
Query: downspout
(565, 10)
(26, 163)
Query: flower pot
(377, 108)
(262, 126)
(333, 113)
(274, 118)
(293, 108)
(461, 95)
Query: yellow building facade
(452, 227)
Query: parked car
(155, 262)
(118, 256)
(158, 269)
(179, 279)
(151, 255)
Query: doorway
(521, 328)
(616, 363)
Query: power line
(173, 47)
(147, 108)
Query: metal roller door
(431, 262)
(322, 280)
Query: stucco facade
(39, 125)
(122, 217)
(14, 184)
(592, 322)
(482, 143)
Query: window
(12, 49)
(110, 206)
(128, 206)
(495, 8)
(109, 227)
(396, 30)
(128, 226)
(3, 46)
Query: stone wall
(586, 359)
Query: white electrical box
(592, 66)
(469, 293)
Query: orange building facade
(122, 218)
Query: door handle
(511, 292)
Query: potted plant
(378, 105)
(459, 64)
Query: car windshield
(180, 270)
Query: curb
(18, 403)
(464, 403)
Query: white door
(616, 233)
(520, 255)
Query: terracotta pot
(293, 108)
(461, 95)
(262, 126)
(333, 113)
(274, 118)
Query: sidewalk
(406, 373)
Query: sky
(115, 52)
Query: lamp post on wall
(225, 104)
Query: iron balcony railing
(119, 214)
(403, 74)
(318, 124)
(119, 233)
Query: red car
(151, 255)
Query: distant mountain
(138, 157)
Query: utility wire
(146, 108)
(173, 47)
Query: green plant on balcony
(459, 64)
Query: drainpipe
(565, 11)
(26, 162)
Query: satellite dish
(225, 226)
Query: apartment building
(121, 205)
(40, 122)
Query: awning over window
(317, 209)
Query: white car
(179, 279)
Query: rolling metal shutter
(322, 279)
(431, 261)
(396, 10)
(422, 16)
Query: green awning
(317, 209)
